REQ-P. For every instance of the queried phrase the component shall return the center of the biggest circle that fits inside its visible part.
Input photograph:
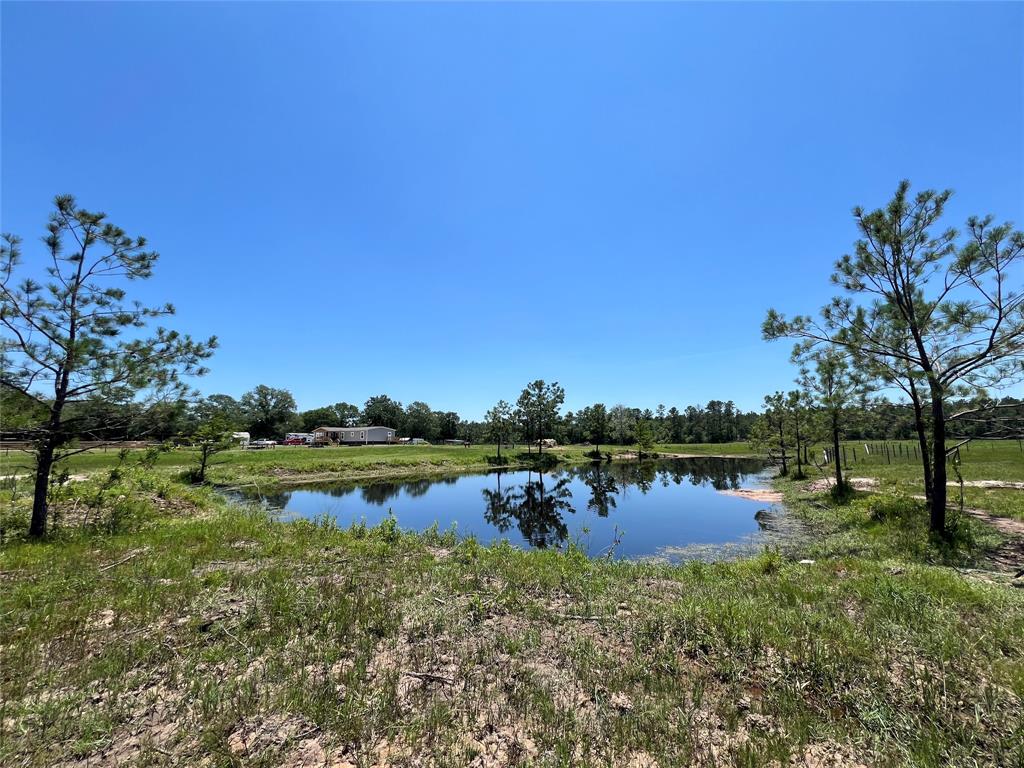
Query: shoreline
(281, 477)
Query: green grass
(224, 637)
(983, 460)
(885, 525)
(286, 464)
(980, 460)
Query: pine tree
(77, 337)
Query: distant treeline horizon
(268, 412)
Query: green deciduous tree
(325, 416)
(222, 407)
(449, 424)
(421, 421)
(346, 414)
(269, 411)
(382, 411)
(75, 336)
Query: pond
(668, 509)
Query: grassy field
(286, 464)
(161, 626)
(979, 461)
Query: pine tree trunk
(937, 504)
(922, 441)
(835, 452)
(799, 462)
(782, 449)
(44, 463)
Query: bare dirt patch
(993, 484)
(1009, 555)
(857, 483)
(255, 736)
(227, 566)
(767, 495)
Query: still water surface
(671, 509)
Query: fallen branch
(234, 637)
(431, 677)
(125, 559)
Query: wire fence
(7, 446)
(905, 451)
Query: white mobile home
(353, 435)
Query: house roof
(342, 429)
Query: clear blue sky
(442, 202)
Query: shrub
(893, 506)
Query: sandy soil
(766, 495)
(858, 483)
(998, 484)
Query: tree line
(270, 412)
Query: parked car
(262, 444)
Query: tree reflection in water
(721, 475)
(496, 505)
(276, 499)
(380, 493)
(535, 507)
(602, 490)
